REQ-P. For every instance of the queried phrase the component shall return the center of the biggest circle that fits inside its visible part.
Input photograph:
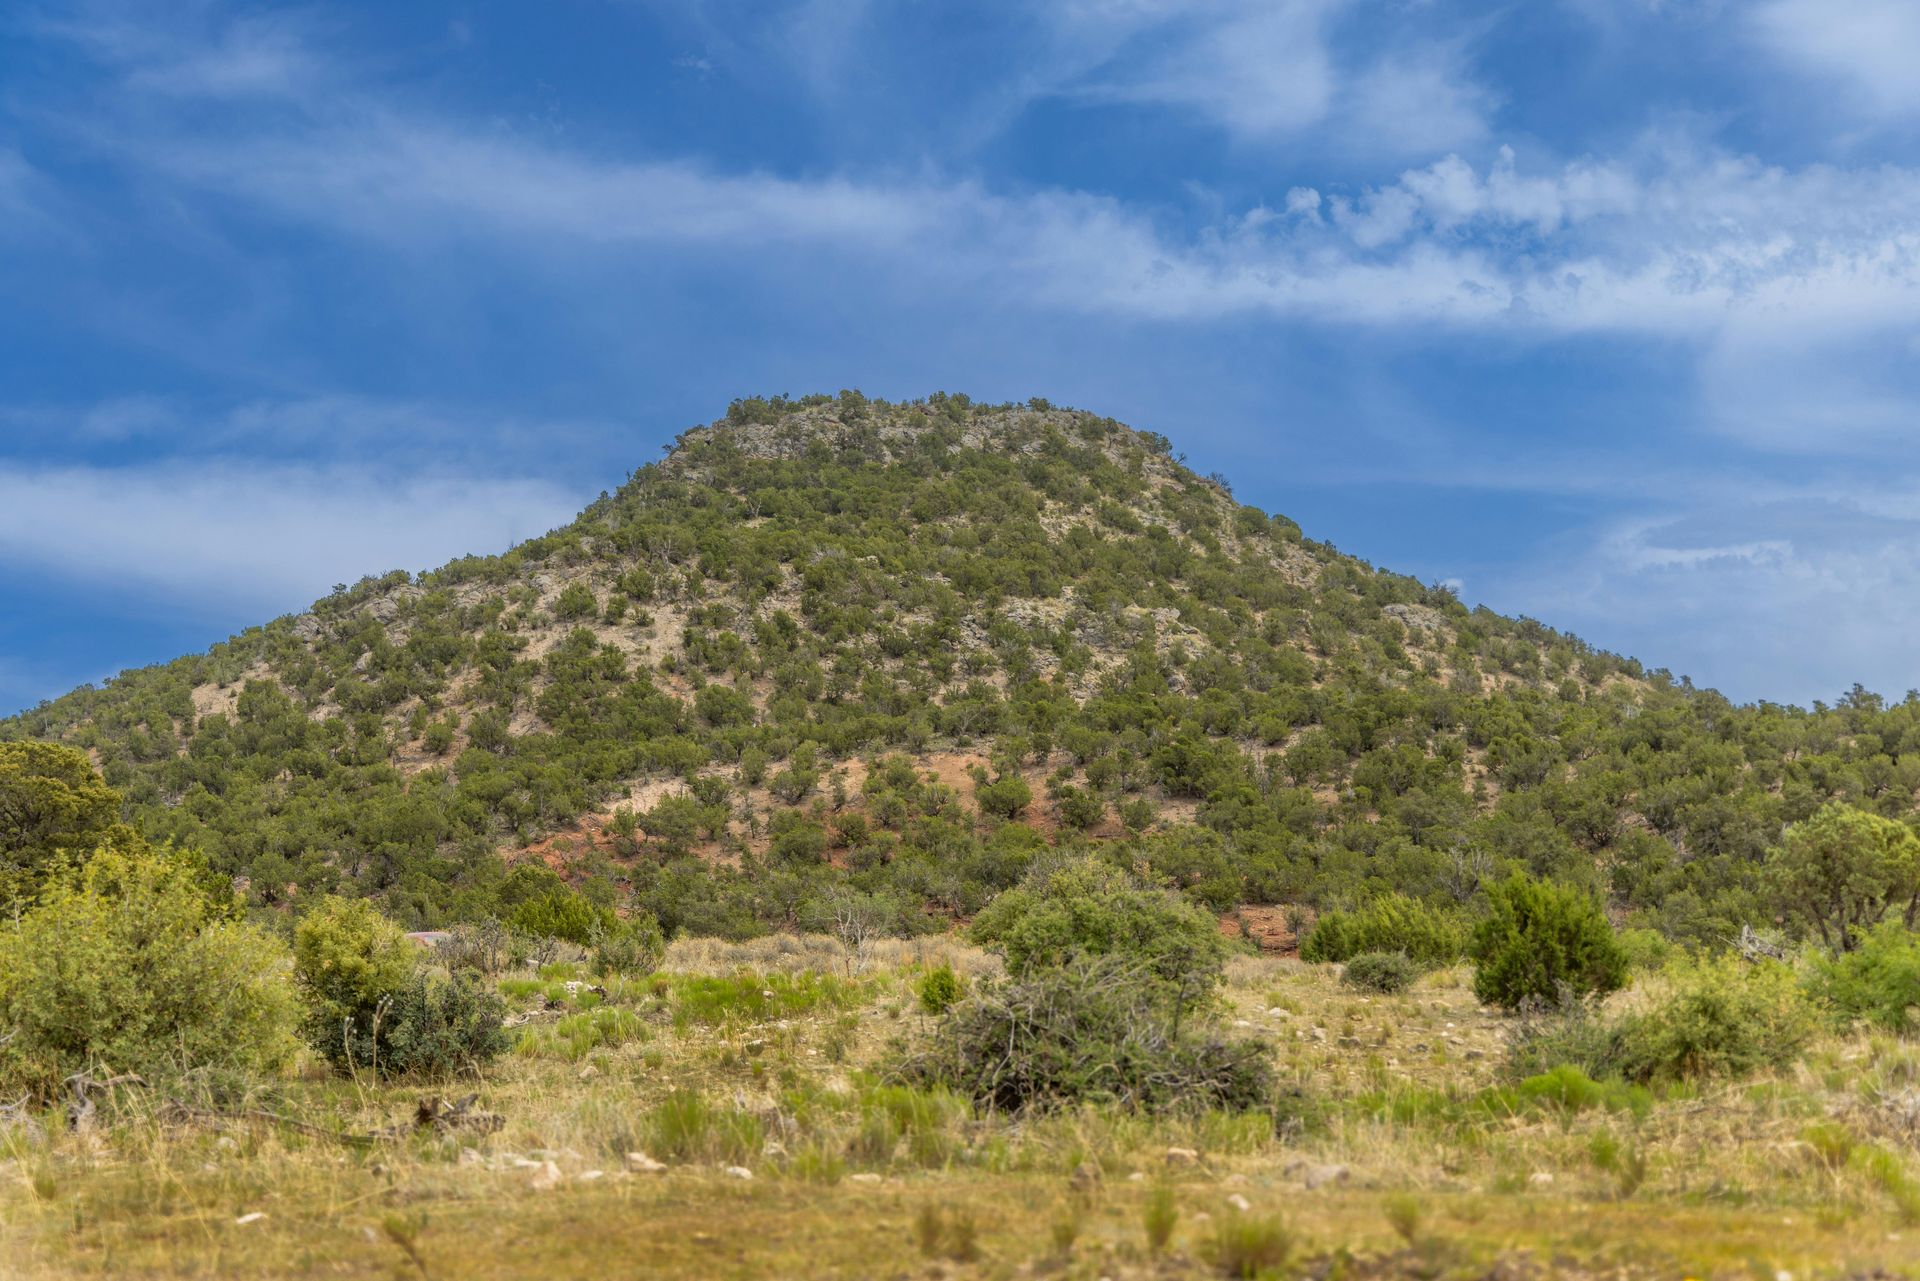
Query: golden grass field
(755, 1075)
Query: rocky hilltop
(838, 656)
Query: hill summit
(836, 662)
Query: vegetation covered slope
(837, 662)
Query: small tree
(1843, 870)
(52, 801)
(1542, 940)
(1003, 798)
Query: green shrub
(438, 1024)
(1430, 936)
(1646, 949)
(126, 964)
(373, 1004)
(1004, 797)
(560, 914)
(348, 959)
(1088, 907)
(1381, 972)
(1878, 982)
(1721, 1017)
(54, 808)
(1091, 1030)
(576, 601)
(1541, 940)
(1571, 1034)
(632, 946)
(1718, 1017)
(939, 989)
(1568, 1089)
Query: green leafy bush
(1089, 907)
(1719, 1017)
(1541, 939)
(127, 964)
(939, 989)
(54, 806)
(632, 946)
(438, 1024)
(1428, 935)
(1005, 797)
(372, 1003)
(560, 914)
(347, 960)
(1091, 1030)
(1878, 982)
(1843, 870)
(1380, 972)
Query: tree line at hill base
(119, 952)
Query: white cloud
(264, 538)
(1257, 69)
(1764, 599)
(1415, 104)
(1872, 46)
(335, 425)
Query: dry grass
(1390, 1149)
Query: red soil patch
(1266, 925)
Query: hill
(836, 662)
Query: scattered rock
(1182, 1156)
(546, 1177)
(1086, 1175)
(1239, 1203)
(588, 1176)
(245, 1219)
(865, 1176)
(641, 1163)
(1539, 1179)
(737, 1172)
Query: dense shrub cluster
(126, 964)
(1088, 1030)
(1878, 981)
(1701, 1019)
(1424, 933)
(375, 1004)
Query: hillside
(842, 662)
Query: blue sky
(1607, 310)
